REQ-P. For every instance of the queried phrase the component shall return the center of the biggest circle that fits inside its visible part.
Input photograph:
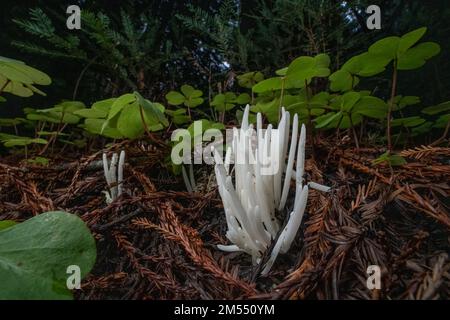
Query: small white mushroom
(259, 190)
(113, 175)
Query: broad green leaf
(13, 74)
(396, 160)
(17, 89)
(416, 57)
(249, 79)
(178, 116)
(407, 122)
(70, 106)
(392, 159)
(6, 224)
(9, 122)
(182, 119)
(410, 39)
(120, 103)
(6, 136)
(301, 65)
(20, 78)
(154, 115)
(442, 121)
(224, 101)
(372, 64)
(95, 126)
(5, 59)
(354, 64)
(37, 76)
(282, 71)
(176, 112)
(175, 98)
(91, 113)
(382, 158)
(372, 107)
(192, 102)
(154, 112)
(42, 161)
(304, 68)
(345, 123)
(366, 64)
(444, 106)
(218, 99)
(320, 98)
(269, 84)
(348, 100)
(190, 92)
(130, 123)
(386, 47)
(342, 80)
(423, 128)
(23, 141)
(34, 89)
(35, 255)
(322, 60)
(326, 119)
(243, 98)
(104, 105)
(401, 102)
(53, 116)
(269, 107)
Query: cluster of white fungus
(259, 189)
(113, 175)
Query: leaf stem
(390, 105)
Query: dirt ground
(158, 241)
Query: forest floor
(158, 241)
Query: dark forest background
(155, 46)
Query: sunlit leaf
(409, 39)
(175, 98)
(386, 47)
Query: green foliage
(305, 86)
(6, 224)
(249, 79)
(350, 108)
(127, 116)
(407, 122)
(191, 134)
(189, 97)
(40, 161)
(403, 51)
(391, 159)
(20, 79)
(443, 110)
(35, 254)
(10, 140)
(298, 74)
(63, 113)
(179, 116)
(128, 50)
(401, 102)
(433, 110)
(228, 100)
